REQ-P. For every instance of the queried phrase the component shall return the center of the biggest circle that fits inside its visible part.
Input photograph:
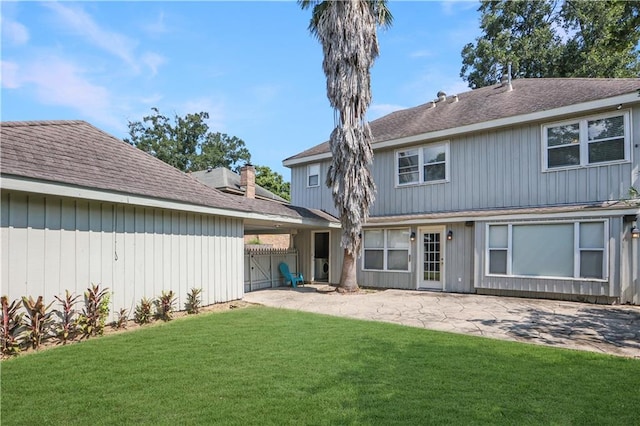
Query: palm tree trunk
(348, 278)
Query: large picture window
(563, 250)
(386, 249)
(586, 142)
(425, 164)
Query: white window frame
(313, 170)
(576, 250)
(385, 249)
(584, 140)
(421, 164)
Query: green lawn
(267, 366)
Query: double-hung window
(386, 249)
(313, 175)
(423, 164)
(586, 142)
(563, 250)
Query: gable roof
(225, 180)
(79, 155)
(529, 95)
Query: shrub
(95, 312)
(194, 301)
(12, 332)
(143, 314)
(67, 326)
(164, 306)
(37, 320)
(121, 320)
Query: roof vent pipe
(442, 96)
(506, 78)
(455, 98)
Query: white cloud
(216, 110)
(153, 61)
(14, 32)
(10, 75)
(421, 54)
(380, 110)
(156, 27)
(79, 21)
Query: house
(243, 184)
(79, 206)
(518, 189)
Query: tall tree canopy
(347, 31)
(186, 143)
(273, 181)
(554, 38)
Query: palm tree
(347, 32)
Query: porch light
(450, 235)
(413, 236)
(635, 232)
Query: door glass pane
(498, 235)
(543, 250)
(374, 239)
(398, 260)
(610, 150)
(498, 262)
(591, 264)
(565, 156)
(563, 135)
(398, 238)
(373, 259)
(592, 235)
(431, 257)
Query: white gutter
(628, 98)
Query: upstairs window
(313, 175)
(586, 142)
(425, 164)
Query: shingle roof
(77, 153)
(225, 180)
(491, 103)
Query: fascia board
(22, 184)
(394, 221)
(625, 100)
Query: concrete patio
(605, 329)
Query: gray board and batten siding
(489, 170)
(51, 244)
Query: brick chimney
(248, 180)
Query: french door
(431, 260)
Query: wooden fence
(261, 267)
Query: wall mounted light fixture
(635, 232)
(413, 236)
(450, 235)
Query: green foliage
(165, 306)
(194, 301)
(582, 38)
(187, 144)
(95, 312)
(12, 332)
(143, 313)
(122, 316)
(66, 326)
(273, 181)
(37, 320)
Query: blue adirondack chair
(293, 278)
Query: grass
(268, 366)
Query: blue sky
(253, 66)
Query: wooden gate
(261, 267)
